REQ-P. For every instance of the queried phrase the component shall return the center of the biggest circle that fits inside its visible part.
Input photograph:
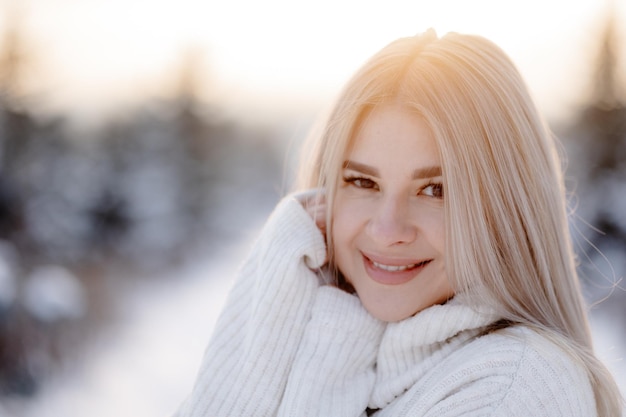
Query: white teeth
(393, 268)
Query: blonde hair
(502, 180)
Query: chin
(389, 312)
(394, 308)
(390, 317)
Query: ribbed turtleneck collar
(411, 347)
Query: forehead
(394, 133)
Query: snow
(146, 365)
(610, 346)
(52, 293)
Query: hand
(314, 202)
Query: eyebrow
(418, 174)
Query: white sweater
(286, 345)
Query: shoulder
(520, 371)
(532, 352)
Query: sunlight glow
(99, 52)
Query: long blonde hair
(508, 240)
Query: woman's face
(388, 216)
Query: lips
(393, 271)
(396, 268)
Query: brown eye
(364, 183)
(433, 190)
(360, 182)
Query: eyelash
(436, 186)
(358, 183)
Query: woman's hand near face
(314, 202)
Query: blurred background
(142, 144)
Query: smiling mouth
(393, 274)
(398, 268)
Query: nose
(391, 222)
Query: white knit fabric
(285, 345)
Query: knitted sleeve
(333, 373)
(246, 364)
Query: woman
(430, 273)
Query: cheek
(433, 229)
(438, 238)
(347, 223)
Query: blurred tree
(196, 133)
(15, 124)
(596, 145)
(140, 194)
(15, 129)
(40, 222)
(16, 58)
